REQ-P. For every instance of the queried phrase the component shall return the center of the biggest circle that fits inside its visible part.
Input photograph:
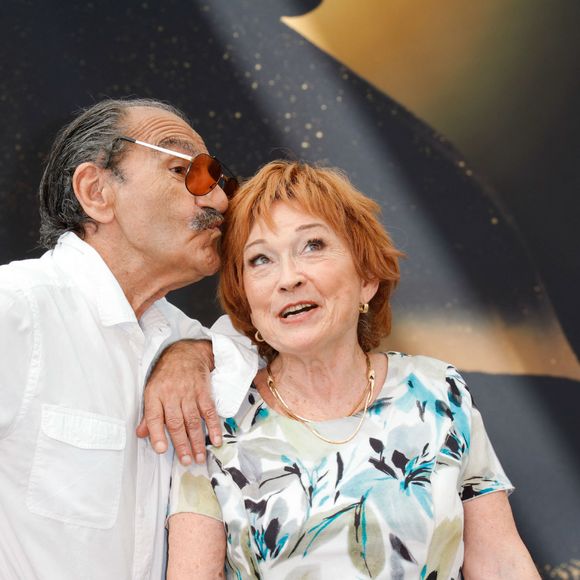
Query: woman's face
(301, 283)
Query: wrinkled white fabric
(80, 495)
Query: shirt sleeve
(192, 491)
(19, 351)
(236, 364)
(482, 472)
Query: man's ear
(94, 192)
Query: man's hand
(178, 396)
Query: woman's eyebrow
(254, 243)
(310, 226)
(301, 228)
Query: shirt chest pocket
(77, 468)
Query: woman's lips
(296, 309)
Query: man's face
(160, 224)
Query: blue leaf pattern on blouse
(385, 505)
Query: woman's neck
(319, 387)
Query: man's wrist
(199, 349)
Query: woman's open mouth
(294, 309)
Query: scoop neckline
(263, 404)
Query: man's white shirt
(80, 495)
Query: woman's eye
(258, 260)
(314, 245)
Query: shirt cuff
(235, 366)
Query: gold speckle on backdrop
(448, 62)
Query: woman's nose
(290, 277)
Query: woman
(340, 463)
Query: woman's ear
(368, 290)
(94, 192)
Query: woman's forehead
(283, 214)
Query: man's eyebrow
(180, 144)
(298, 229)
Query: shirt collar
(86, 266)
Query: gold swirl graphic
(434, 58)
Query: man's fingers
(142, 429)
(154, 418)
(177, 431)
(179, 381)
(211, 418)
(194, 426)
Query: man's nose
(216, 198)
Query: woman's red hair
(324, 193)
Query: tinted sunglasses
(203, 173)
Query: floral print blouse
(387, 504)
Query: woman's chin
(305, 346)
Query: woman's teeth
(297, 308)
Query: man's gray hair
(90, 137)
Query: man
(131, 206)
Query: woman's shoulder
(434, 374)
(418, 362)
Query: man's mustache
(207, 218)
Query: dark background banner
(491, 234)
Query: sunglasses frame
(222, 181)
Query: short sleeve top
(387, 504)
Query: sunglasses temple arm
(157, 148)
(228, 170)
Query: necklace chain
(367, 395)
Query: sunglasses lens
(204, 172)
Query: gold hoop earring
(259, 337)
(363, 308)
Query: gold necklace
(368, 391)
